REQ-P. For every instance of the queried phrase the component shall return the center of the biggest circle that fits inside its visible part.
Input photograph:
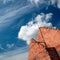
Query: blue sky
(19, 21)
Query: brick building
(46, 46)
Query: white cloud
(7, 18)
(18, 54)
(31, 28)
(10, 14)
(58, 4)
(55, 3)
(38, 2)
(23, 56)
(34, 1)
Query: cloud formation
(18, 54)
(31, 28)
(9, 16)
(55, 3)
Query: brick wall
(38, 51)
(51, 37)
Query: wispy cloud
(30, 30)
(19, 54)
(55, 3)
(23, 56)
(9, 16)
(6, 1)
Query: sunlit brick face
(39, 51)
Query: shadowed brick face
(39, 51)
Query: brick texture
(51, 37)
(38, 49)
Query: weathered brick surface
(51, 37)
(38, 51)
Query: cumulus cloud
(31, 28)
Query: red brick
(38, 51)
(51, 37)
